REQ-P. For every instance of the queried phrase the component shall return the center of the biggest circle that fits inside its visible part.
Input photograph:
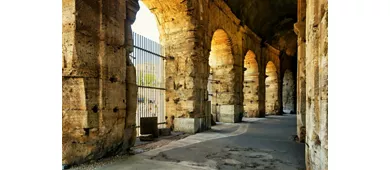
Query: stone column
(299, 29)
(280, 85)
(251, 85)
(81, 101)
(317, 84)
(130, 132)
(295, 75)
(185, 64)
(288, 91)
(262, 63)
(94, 79)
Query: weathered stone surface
(199, 37)
(271, 82)
(208, 116)
(222, 70)
(229, 114)
(97, 120)
(288, 92)
(187, 125)
(192, 125)
(131, 107)
(317, 84)
(188, 41)
(251, 85)
(300, 30)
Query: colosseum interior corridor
(226, 78)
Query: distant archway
(251, 84)
(221, 80)
(271, 90)
(288, 92)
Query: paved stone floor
(256, 143)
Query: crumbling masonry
(259, 71)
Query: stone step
(164, 131)
(146, 137)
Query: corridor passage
(257, 143)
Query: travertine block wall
(251, 85)
(272, 88)
(300, 29)
(185, 69)
(97, 112)
(218, 16)
(99, 91)
(271, 91)
(317, 84)
(288, 92)
(312, 81)
(186, 32)
(221, 63)
(251, 44)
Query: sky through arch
(146, 24)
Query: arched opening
(185, 75)
(288, 92)
(147, 58)
(221, 84)
(271, 89)
(251, 84)
(146, 23)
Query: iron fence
(148, 59)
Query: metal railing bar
(158, 55)
(148, 87)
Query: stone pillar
(183, 93)
(130, 132)
(273, 90)
(81, 100)
(185, 67)
(317, 84)
(251, 85)
(94, 79)
(280, 88)
(288, 90)
(295, 75)
(299, 29)
(262, 77)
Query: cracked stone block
(187, 125)
(229, 114)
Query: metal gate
(148, 59)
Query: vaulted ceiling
(272, 20)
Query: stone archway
(251, 85)
(221, 86)
(175, 26)
(288, 92)
(271, 89)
